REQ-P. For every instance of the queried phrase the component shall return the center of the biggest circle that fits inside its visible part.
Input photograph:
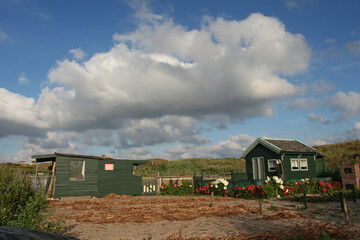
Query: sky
(175, 79)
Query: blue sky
(175, 79)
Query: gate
(149, 186)
(198, 181)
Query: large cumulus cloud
(230, 68)
(157, 83)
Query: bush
(22, 206)
(250, 192)
(179, 188)
(219, 187)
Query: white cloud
(304, 103)
(347, 103)
(22, 79)
(330, 40)
(291, 4)
(159, 130)
(52, 142)
(233, 147)
(161, 79)
(354, 132)
(349, 135)
(78, 53)
(353, 47)
(321, 86)
(315, 118)
(3, 35)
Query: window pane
(295, 164)
(77, 170)
(109, 166)
(272, 165)
(303, 164)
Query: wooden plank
(51, 180)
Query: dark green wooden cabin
(81, 175)
(285, 158)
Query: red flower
(324, 190)
(162, 187)
(175, 186)
(262, 193)
(236, 195)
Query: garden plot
(163, 217)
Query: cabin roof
(281, 146)
(52, 157)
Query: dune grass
(187, 167)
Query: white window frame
(259, 162)
(77, 164)
(299, 164)
(307, 164)
(272, 170)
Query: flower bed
(179, 188)
(273, 188)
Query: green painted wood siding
(119, 181)
(310, 173)
(260, 151)
(66, 188)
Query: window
(299, 164)
(77, 170)
(348, 170)
(303, 164)
(294, 164)
(258, 168)
(109, 167)
(272, 165)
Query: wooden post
(346, 212)
(260, 206)
(36, 177)
(305, 200)
(51, 180)
(277, 193)
(212, 199)
(342, 201)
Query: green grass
(337, 153)
(187, 167)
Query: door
(258, 168)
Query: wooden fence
(149, 186)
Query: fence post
(346, 212)
(305, 199)
(342, 201)
(212, 199)
(158, 185)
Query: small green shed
(82, 175)
(285, 158)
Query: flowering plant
(184, 187)
(249, 192)
(219, 187)
(271, 184)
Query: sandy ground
(158, 217)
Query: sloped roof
(291, 145)
(52, 157)
(281, 146)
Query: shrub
(219, 187)
(250, 192)
(22, 206)
(179, 188)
